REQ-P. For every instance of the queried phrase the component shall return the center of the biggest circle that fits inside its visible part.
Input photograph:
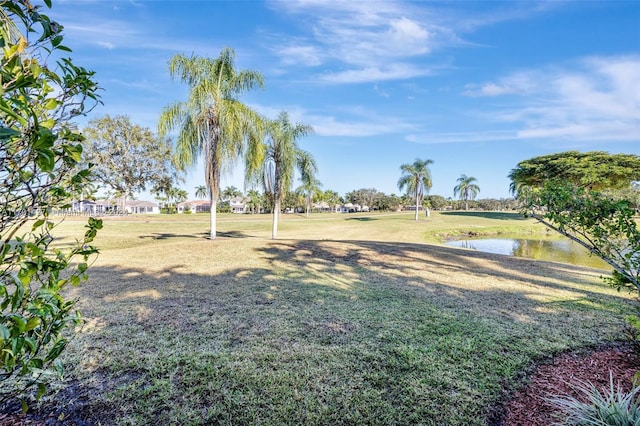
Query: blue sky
(474, 86)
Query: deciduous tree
(566, 200)
(128, 158)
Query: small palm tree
(201, 191)
(416, 178)
(273, 163)
(255, 200)
(309, 189)
(230, 192)
(212, 122)
(466, 189)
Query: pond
(564, 251)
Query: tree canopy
(595, 170)
(571, 193)
(128, 158)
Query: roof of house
(194, 203)
(129, 203)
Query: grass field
(347, 319)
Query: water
(564, 251)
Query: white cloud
(597, 98)
(352, 121)
(460, 137)
(380, 92)
(369, 39)
(106, 45)
(391, 72)
(375, 40)
(301, 54)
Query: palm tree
(201, 191)
(308, 189)
(274, 162)
(230, 192)
(255, 200)
(467, 189)
(212, 122)
(332, 198)
(416, 178)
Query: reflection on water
(565, 251)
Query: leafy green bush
(611, 407)
(39, 157)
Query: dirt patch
(529, 407)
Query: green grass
(347, 319)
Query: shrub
(611, 407)
(39, 158)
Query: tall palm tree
(212, 122)
(201, 191)
(466, 188)
(416, 178)
(273, 163)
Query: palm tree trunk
(213, 215)
(274, 227)
(417, 205)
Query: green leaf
(5, 334)
(18, 322)
(38, 223)
(31, 343)
(7, 132)
(51, 104)
(33, 323)
(42, 389)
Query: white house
(238, 205)
(106, 207)
(141, 207)
(194, 206)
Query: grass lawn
(347, 319)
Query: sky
(475, 86)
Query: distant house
(321, 206)
(351, 208)
(238, 205)
(141, 207)
(106, 207)
(194, 206)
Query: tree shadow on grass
(368, 302)
(487, 215)
(363, 219)
(231, 234)
(169, 235)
